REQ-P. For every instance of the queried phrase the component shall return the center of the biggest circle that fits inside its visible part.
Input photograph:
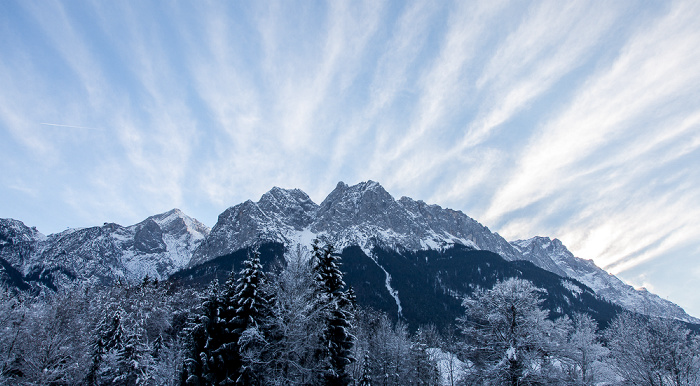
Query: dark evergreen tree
(366, 376)
(337, 341)
(249, 326)
(228, 351)
(108, 336)
(352, 298)
(226, 337)
(423, 370)
(203, 331)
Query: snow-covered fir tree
(337, 340)
(253, 311)
(204, 331)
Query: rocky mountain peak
(541, 242)
(17, 241)
(364, 203)
(156, 246)
(541, 251)
(14, 231)
(176, 221)
(289, 206)
(364, 214)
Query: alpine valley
(413, 260)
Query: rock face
(156, 247)
(17, 241)
(279, 213)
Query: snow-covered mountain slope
(157, 246)
(366, 215)
(604, 284)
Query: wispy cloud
(442, 86)
(525, 65)
(552, 41)
(390, 79)
(608, 140)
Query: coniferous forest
(298, 323)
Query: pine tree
(228, 350)
(366, 377)
(253, 310)
(203, 332)
(337, 341)
(109, 335)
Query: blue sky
(574, 120)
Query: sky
(574, 120)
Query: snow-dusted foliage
(582, 352)
(299, 325)
(89, 335)
(653, 351)
(296, 324)
(134, 323)
(389, 355)
(509, 338)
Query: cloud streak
(70, 126)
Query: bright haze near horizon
(574, 120)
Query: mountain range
(394, 251)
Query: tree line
(299, 324)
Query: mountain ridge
(366, 215)
(363, 215)
(156, 246)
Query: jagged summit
(176, 221)
(365, 203)
(364, 214)
(14, 231)
(293, 206)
